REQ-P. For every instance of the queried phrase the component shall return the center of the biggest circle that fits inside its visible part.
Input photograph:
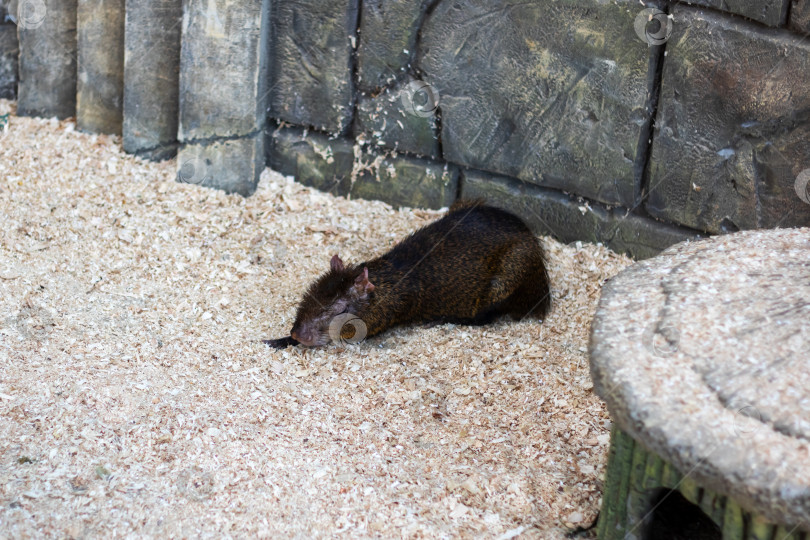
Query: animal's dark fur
(474, 264)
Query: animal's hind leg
(521, 287)
(533, 296)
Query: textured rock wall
(634, 124)
(637, 124)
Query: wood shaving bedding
(135, 399)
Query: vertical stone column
(152, 77)
(100, 84)
(47, 34)
(223, 93)
(9, 50)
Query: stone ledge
(338, 166)
(549, 211)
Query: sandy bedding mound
(135, 400)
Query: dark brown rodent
(474, 264)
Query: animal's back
(466, 267)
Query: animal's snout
(303, 336)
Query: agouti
(471, 266)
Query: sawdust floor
(136, 401)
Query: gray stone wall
(636, 124)
(633, 124)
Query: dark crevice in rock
(437, 117)
(785, 18)
(159, 152)
(354, 79)
(641, 168)
(428, 10)
(205, 141)
(437, 130)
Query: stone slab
(232, 165)
(100, 81)
(339, 167)
(770, 12)
(223, 71)
(152, 77)
(311, 77)
(388, 35)
(9, 51)
(732, 134)
(551, 212)
(390, 120)
(561, 94)
(47, 62)
(403, 180)
(312, 158)
(701, 356)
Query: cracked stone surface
(733, 131)
(702, 355)
(233, 165)
(552, 93)
(222, 118)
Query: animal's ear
(362, 284)
(336, 264)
